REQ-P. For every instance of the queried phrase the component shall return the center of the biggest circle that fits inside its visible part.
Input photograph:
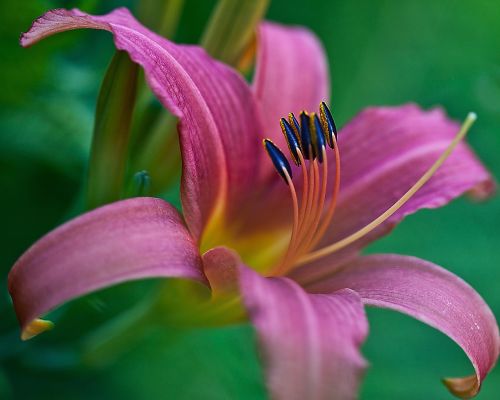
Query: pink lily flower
(288, 243)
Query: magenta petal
(128, 240)
(310, 343)
(432, 295)
(219, 127)
(384, 151)
(291, 75)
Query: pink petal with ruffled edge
(291, 75)
(128, 240)
(219, 127)
(384, 151)
(310, 343)
(432, 295)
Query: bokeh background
(434, 52)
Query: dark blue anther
(291, 139)
(328, 123)
(319, 138)
(305, 135)
(278, 158)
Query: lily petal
(291, 75)
(432, 295)
(123, 241)
(310, 342)
(219, 128)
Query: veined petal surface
(432, 295)
(219, 126)
(123, 241)
(310, 342)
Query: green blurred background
(381, 52)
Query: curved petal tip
(36, 327)
(465, 388)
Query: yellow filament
(297, 223)
(333, 202)
(305, 184)
(295, 204)
(471, 117)
(319, 212)
(309, 202)
(308, 225)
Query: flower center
(312, 214)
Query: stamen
(291, 139)
(396, 206)
(305, 186)
(307, 215)
(309, 225)
(278, 158)
(295, 204)
(303, 223)
(328, 123)
(309, 198)
(333, 202)
(296, 225)
(318, 137)
(322, 198)
(295, 125)
(305, 136)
